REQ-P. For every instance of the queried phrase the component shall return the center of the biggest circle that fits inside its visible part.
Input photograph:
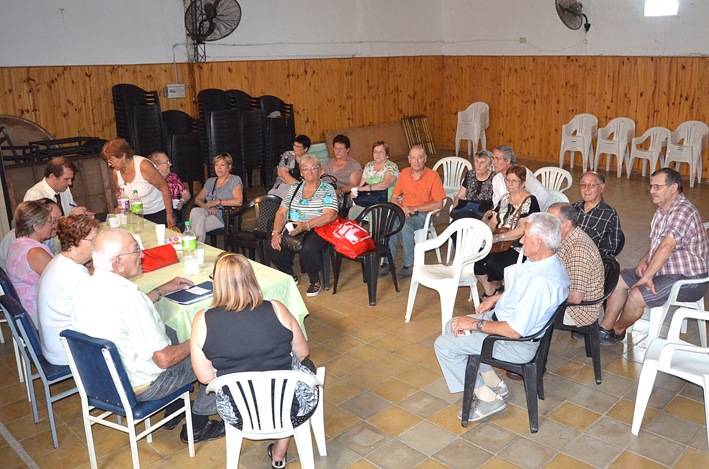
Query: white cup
(123, 218)
(354, 191)
(200, 255)
(290, 227)
(160, 233)
(113, 222)
(192, 267)
(175, 203)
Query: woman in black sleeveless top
(242, 332)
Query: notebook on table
(192, 295)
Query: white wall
(81, 32)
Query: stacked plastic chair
(471, 126)
(138, 118)
(182, 146)
(252, 134)
(280, 130)
(218, 128)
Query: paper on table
(197, 290)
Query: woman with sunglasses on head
(511, 213)
(224, 190)
(242, 332)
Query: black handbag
(471, 209)
(292, 243)
(367, 198)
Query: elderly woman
(35, 222)
(477, 187)
(307, 205)
(288, 168)
(377, 175)
(242, 332)
(347, 171)
(224, 190)
(137, 173)
(61, 276)
(179, 194)
(510, 214)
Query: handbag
(502, 246)
(471, 209)
(292, 243)
(367, 198)
(159, 257)
(347, 236)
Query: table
(275, 285)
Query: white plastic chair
(554, 197)
(553, 178)
(454, 170)
(578, 135)
(471, 126)
(622, 130)
(428, 231)
(674, 357)
(693, 135)
(658, 140)
(658, 314)
(265, 411)
(473, 242)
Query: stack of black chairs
(138, 118)
(252, 133)
(280, 131)
(183, 147)
(218, 129)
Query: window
(661, 7)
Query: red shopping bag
(347, 236)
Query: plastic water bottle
(189, 250)
(136, 208)
(123, 207)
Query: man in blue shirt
(541, 284)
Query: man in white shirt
(58, 177)
(109, 306)
(502, 158)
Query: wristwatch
(480, 325)
(159, 293)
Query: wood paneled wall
(529, 97)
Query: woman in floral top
(377, 175)
(307, 205)
(288, 168)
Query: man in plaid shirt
(596, 218)
(679, 249)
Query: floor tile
(692, 459)
(592, 451)
(559, 386)
(613, 384)
(514, 418)
(553, 434)
(431, 464)
(393, 365)
(623, 411)
(656, 448)
(427, 438)
(576, 371)
(423, 404)
(440, 390)
(611, 431)
(365, 378)
(574, 416)
(364, 438)
(489, 436)
(393, 390)
(461, 454)
(365, 405)
(658, 399)
(338, 455)
(630, 460)
(677, 429)
(342, 366)
(527, 454)
(337, 421)
(368, 354)
(396, 455)
(593, 399)
(394, 420)
(448, 420)
(625, 368)
(700, 441)
(687, 409)
(562, 461)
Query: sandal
(275, 464)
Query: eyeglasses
(656, 187)
(343, 148)
(164, 162)
(497, 158)
(309, 168)
(513, 181)
(589, 185)
(137, 251)
(54, 220)
(211, 277)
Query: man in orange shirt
(421, 191)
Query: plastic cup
(123, 218)
(160, 233)
(200, 255)
(113, 222)
(175, 203)
(191, 267)
(354, 191)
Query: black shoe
(212, 431)
(384, 270)
(295, 278)
(172, 424)
(313, 289)
(578, 336)
(275, 464)
(406, 272)
(609, 337)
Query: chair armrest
(680, 315)
(672, 299)
(567, 129)
(603, 132)
(669, 347)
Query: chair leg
(336, 266)
(30, 383)
(50, 412)
(531, 390)
(317, 422)
(447, 305)
(595, 346)
(645, 385)
(657, 318)
(133, 442)
(149, 436)
(325, 270)
(412, 298)
(392, 270)
(89, 435)
(471, 375)
(234, 440)
(706, 398)
(372, 263)
(188, 422)
(702, 326)
(304, 443)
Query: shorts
(663, 287)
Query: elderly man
(583, 264)
(502, 158)
(596, 218)
(541, 284)
(58, 177)
(679, 250)
(421, 191)
(109, 306)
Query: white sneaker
(482, 410)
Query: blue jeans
(412, 224)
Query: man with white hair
(541, 284)
(109, 306)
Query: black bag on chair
(471, 209)
(367, 198)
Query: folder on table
(192, 295)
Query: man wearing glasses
(108, 305)
(679, 250)
(502, 158)
(596, 218)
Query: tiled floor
(387, 405)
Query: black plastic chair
(140, 135)
(532, 372)
(183, 147)
(591, 341)
(383, 218)
(254, 241)
(621, 244)
(226, 212)
(208, 101)
(224, 138)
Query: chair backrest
(692, 132)
(553, 178)
(473, 241)
(383, 217)
(266, 207)
(554, 197)
(454, 169)
(478, 112)
(622, 128)
(11, 308)
(658, 137)
(264, 398)
(585, 124)
(102, 378)
(7, 287)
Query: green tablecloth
(275, 285)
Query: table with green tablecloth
(275, 286)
